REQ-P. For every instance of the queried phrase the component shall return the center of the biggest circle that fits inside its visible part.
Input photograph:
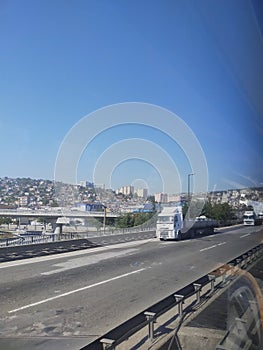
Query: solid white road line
(74, 291)
(248, 234)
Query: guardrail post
(197, 287)
(106, 343)
(258, 251)
(250, 257)
(238, 262)
(244, 262)
(240, 325)
(150, 316)
(247, 259)
(253, 257)
(212, 279)
(223, 274)
(179, 299)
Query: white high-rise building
(141, 192)
(126, 190)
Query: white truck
(250, 218)
(171, 225)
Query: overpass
(59, 217)
(55, 214)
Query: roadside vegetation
(135, 219)
(5, 220)
(223, 213)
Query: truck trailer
(171, 225)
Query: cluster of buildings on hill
(236, 198)
(26, 192)
(34, 194)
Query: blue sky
(202, 60)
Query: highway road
(65, 301)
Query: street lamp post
(104, 219)
(188, 188)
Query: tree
(184, 209)
(41, 220)
(5, 220)
(208, 210)
(133, 219)
(139, 219)
(124, 221)
(222, 212)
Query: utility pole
(188, 191)
(104, 219)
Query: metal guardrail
(246, 313)
(46, 238)
(117, 231)
(148, 317)
(33, 239)
(26, 240)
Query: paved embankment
(34, 250)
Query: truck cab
(169, 223)
(250, 218)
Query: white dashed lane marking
(248, 234)
(212, 246)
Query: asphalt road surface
(65, 301)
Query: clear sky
(202, 60)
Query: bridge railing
(45, 238)
(114, 231)
(26, 240)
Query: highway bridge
(68, 300)
(59, 217)
(54, 214)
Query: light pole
(104, 218)
(188, 188)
